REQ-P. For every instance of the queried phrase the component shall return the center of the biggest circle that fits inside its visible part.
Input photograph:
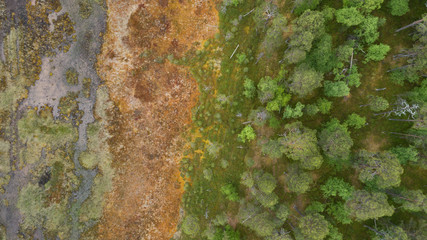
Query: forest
(310, 124)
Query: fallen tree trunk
(410, 25)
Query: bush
(336, 89)
(311, 109)
(349, 16)
(207, 174)
(230, 192)
(247, 133)
(72, 76)
(355, 121)
(282, 212)
(398, 7)
(190, 226)
(377, 52)
(250, 88)
(324, 105)
(85, 8)
(405, 154)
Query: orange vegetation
(154, 100)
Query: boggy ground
(154, 98)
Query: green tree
(267, 200)
(300, 144)
(273, 148)
(314, 226)
(302, 5)
(306, 28)
(263, 14)
(274, 37)
(340, 212)
(311, 109)
(335, 141)
(231, 234)
(336, 89)
(250, 88)
(247, 179)
(334, 234)
(311, 21)
(295, 112)
(377, 52)
(366, 205)
(405, 154)
(355, 121)
(391, 232)
(265, 182)
(282, 235)
(383, 168)
(337, 187)
(230, 192)
(411, 200)
(251, 216)
(282, 212)
(280, 100)
(366, 6)
(298, 181)
(398, 7)
(267, 88)
(296, 55)
(368, 30)
(349, 16)
(247, 134)
(353, 77)
(324, 105)
(322, 57)
(315, 207)
(190, 226)
(378, 104)
(304, 80)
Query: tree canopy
(300, 144)
(298, 181)
(383, 168)
(335, 141)
(366, 205)
(304, 80)
(314, 226)
(349, 16)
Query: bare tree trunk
(410, 25)
(407, 135)
(374, 230)
(405, 120)
(298, 211)
(398, 68)
(248, 13)
(238, 45)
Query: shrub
(247, 133)
(190, 226)
(398, 7)
(230, 192)
(324, 105)
(377, 52)
(355, 121)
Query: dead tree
(410, 25)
